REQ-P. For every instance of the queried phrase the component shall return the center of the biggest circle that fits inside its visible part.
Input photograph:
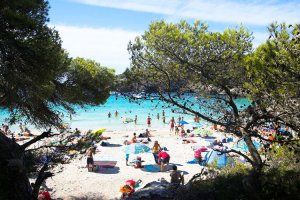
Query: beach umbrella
(183, 122)
(98, 131)
(136, 148)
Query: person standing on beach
(149, 121)
(135, 119)
(109, 114)
(164, 119)
(126, 155)
(178, 119)
(163, 113)
(90, 161)
(172, 124)
(157, 115)
(155, 151)
(116, 113)
(163, 158)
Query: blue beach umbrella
(183, 122)
(136, 148)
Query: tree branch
(267, 140)
(231, 102)
(38, 138)
(237, 152)
(195, 176)
(43, 175)
(48, 146)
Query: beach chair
(102, 162)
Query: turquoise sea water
(93, 117)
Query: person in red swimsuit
(163, 158)
(172, 124)
(149, 121)
(128, 188)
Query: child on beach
(155, 151)
(126, 155)
(134, 140)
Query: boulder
(154, 190)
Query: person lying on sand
(104, 138)
(128, 188)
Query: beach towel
(151, 168)
(195, 161)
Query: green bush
(280, 179)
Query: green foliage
(280, 184)
(95, 136)
(236, 168)
(87, 82)
(36, 74)
(276, 183)
(274, 74)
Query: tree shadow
(113, 145)
(88, 196)
(171, 164)
(110, 170)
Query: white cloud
(109, 46)
(259, 38)
(152, 6)
(259, 12)
(106, 46)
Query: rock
(154, 190)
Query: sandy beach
(75, 182)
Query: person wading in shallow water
(149, 121)
(135, 120)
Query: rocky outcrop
(162, 190)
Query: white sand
(76, 181)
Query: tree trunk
(251, 183)
(257, 162)
(14, 182)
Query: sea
(96, 117)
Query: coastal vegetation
(173, 60)
(186, 66)
(36, 77)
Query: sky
(101, 29)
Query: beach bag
(104, 144)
